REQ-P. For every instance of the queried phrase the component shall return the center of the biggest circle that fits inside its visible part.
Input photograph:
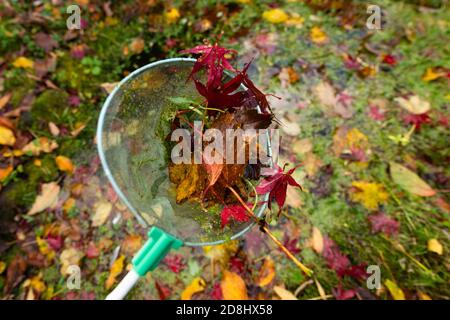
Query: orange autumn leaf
(5, 172)
(267, 272)
(115, 271)
(431, 75)
(64, 164)
(233, 287)
(197, 285)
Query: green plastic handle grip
(159, 243)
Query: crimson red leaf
(342, 294)
(236, 212)
(175, 262)
(276, 184)
(383, 223)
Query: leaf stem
(266, 230)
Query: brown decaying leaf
(5, 99)
(14, 273)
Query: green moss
(19, 84)
(51, 105)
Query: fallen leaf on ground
(410, 181)
(380, 222)
(394, 290)
(317, 240)
(431, 75)
(197, 285)
(435, 246)
(414, 104)
(22, 62)
(46, 199)
(39, 145)
(7, 137)
(284, 294)
(423, 296)
(5, 99)
(318, 36)
(115, 270)
(267, 272)
(276, 15)
(369, 194)
(233, 287)
(131, 244)
(69, 257)
(64, 164)
(5, 172)
(102, 212)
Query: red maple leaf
(335, 259)
(216, 292)
(175, 262)
(236, 212)
(213, 60)
(276, 184)
(376, 113)
(390, 60)
(380, 222)
(417, 119)
(342, 294)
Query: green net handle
(159, 243)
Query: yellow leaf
(68, 257)
(370, 195)
(45, 249)
(64, 164)
(6, 136)
(102, 211)
(35, 283)
(284, 294)
(23, 62)
(5, 172)
(317, 240)
(172, 15)
(275, 15)
(410, 181)
(423, 296)
(295, 20)
(414, 104)
(69, 204)
(394, 290)
(431, 75)
(267, 272)
(221, 252)
(2, 266)
(197, 285)
(318, 35)
(46, 199)
(116, 270)
(435, 246)
(233, 287)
